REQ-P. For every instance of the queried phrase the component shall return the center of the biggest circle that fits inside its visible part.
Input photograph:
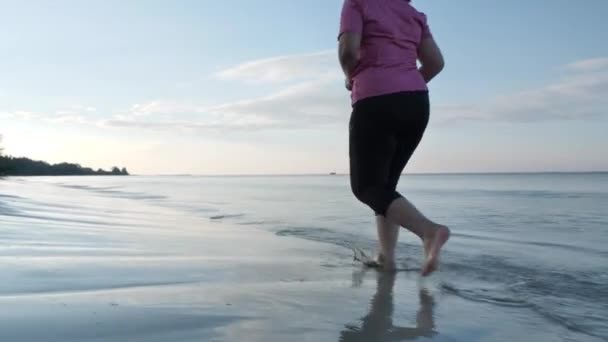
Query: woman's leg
(433, 235)
(411, 129)
(388, 235)
(388, 231)
(371, 150)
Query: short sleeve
(426, 30)
(351, 19)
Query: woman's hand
(431, 59)
(348, 83)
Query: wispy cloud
(303, 105)
(75, 110)
(70, 119)
(19, 114)
(312, 103)
(589, 64)
(163, 107)
(284, 68)
(576, 96)
(72, 115)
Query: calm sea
(535, 241)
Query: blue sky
(238, 86)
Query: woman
(380, 42)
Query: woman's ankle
(431, 230)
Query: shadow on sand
(378, 324)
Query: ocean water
(534, 242)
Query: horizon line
(346, 174)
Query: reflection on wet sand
(378, 325)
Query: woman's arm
(349, 38)
(430, 58)
(348, 52)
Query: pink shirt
(391, 31)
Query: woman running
(380, 42)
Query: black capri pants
(383, 134)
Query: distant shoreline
(25, 167)
(404, 174)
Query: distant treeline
(10, 166)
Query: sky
(254, 87)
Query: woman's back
(391, 32)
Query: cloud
(75, 110)
(70, 115)
(163, 107)
(313, 96)
(19, 114)
(589, 64)
(187, 126)
(284, 68)
(6, 115)
(575, 96)
(307, 104)
(300, 106)
(321, 101)
(579, 94)
(71, 119)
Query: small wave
(226, 216)
(408, 253)
(532, 243)
(132, 195)
(503, 298)
(585, 327)
(311, 232)
(319, 235)
(259, 223)
(8, 210)
(525, 194)
(96, 288)
(491, 296)
(368, 261)
(112, 191)
(568, 298)
(66, 220)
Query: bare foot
(379, 262)
(432, 249)
(386, 264)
